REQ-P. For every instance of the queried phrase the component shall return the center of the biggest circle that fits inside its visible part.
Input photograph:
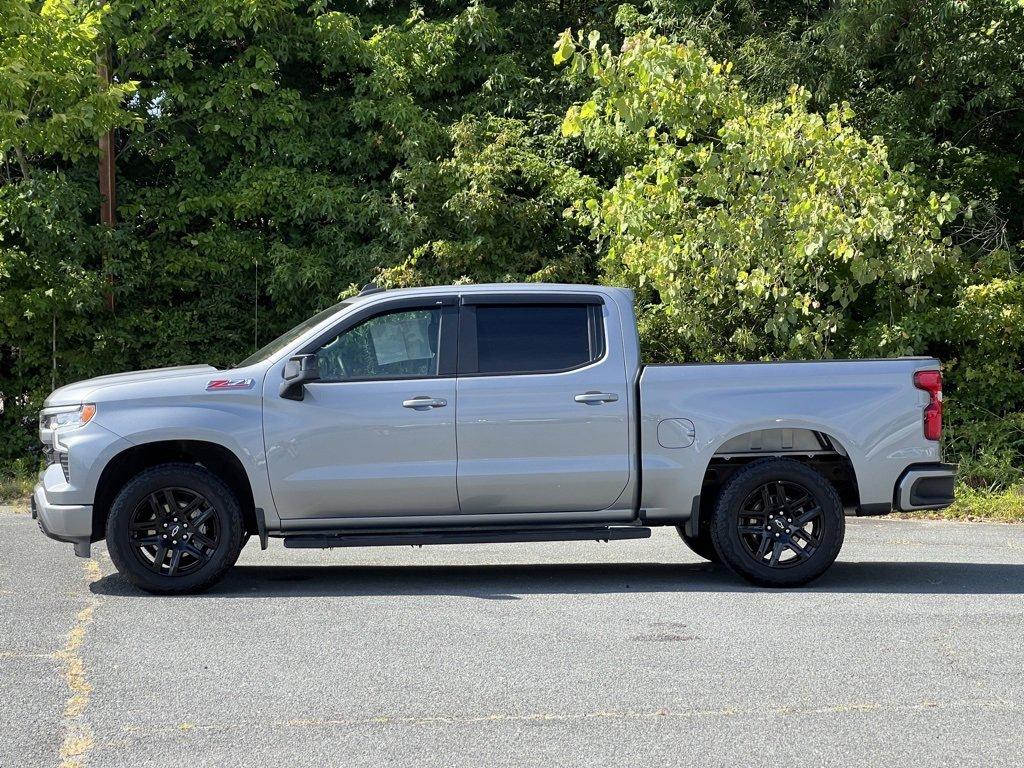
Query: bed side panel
(870, 407)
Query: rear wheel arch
(826, 454)
(129, 463)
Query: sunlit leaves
(759, 225)
(50, 99)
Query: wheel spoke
(801, 553)
(756, 529)
(203, 540)
(762, 550)
(144, 525)
(807, 516)
(158, 559)
(777, 549)
(793, 506)
(147, 541)
(172, 505)
(812, 541)
(175, 562)
(202, 517)
(197, 553)
(154, 504)
(192, 506)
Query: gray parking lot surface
(627, 654)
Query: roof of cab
(483, 288)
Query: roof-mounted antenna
(370, 288)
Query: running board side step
(492, 536)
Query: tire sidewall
(727, 539)
(702, 545)
(191, 477)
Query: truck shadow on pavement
(512, 581)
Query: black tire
(787, 507)
(150, 517)
(701, 545)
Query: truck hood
(81, 391)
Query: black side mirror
(298, 371)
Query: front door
(375, 437)
(543, 419)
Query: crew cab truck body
(484, 413)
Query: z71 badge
(221, 384)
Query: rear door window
(527, 338)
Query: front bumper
(925, 486)
(71, 523)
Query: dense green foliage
(786, 226)
(791, 179)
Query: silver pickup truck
(485, 413)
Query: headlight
(68, 417)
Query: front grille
(63, 456)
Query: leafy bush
(787, 229)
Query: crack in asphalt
(141, 732)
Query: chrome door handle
(423, 402)
(596, 397)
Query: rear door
(542, 422)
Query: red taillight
(931, 382)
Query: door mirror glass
(298, 371)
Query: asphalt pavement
(632, 653)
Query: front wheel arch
(130, 462)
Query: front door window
(400, 344)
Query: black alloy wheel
(174, 531)
(174, 528)
(778, 522)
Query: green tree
(764, 229)
(52, 109)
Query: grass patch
(15, 489)
(17, 480)
(974, 505)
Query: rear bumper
(925, 486)
(71, 523)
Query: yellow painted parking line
(78, 738)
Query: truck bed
(867, 410)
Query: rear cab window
(522, 337)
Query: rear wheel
(778, 523)
(175, 528)
(701, 545)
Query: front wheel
(778, 523)
(174, 528)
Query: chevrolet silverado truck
(485, 413)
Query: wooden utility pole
(107, 186)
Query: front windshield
(288, 337)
